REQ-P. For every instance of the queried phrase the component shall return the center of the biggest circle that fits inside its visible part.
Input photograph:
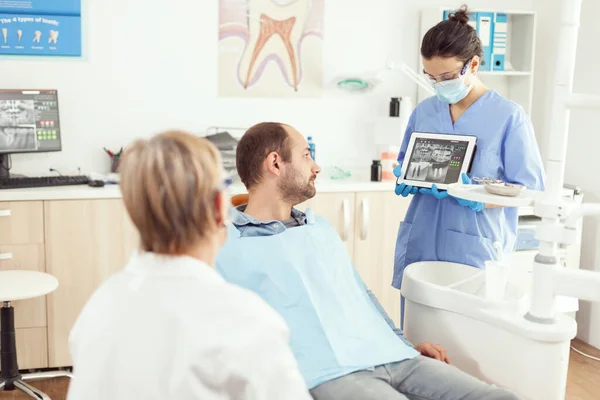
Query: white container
(496, 276)
(491, 340)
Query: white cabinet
(378, 216)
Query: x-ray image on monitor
(17, 125)
(17, 112)
(29, 121)
(432, 160)
(439, 159)
(18, 138)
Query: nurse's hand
(438, 194)
(433, 351)
(398, 170)
(403, 189)
(473, 205)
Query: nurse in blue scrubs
(439, 227)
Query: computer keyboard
(41, 181)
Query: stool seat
(20, 285)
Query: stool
(20, 285)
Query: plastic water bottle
(311, 146)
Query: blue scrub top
(443, 230)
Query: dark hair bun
(452, 37)
(460, 15)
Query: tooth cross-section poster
(40, 27)
(270, 48)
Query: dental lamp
(367, 81)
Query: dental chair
(239, 199)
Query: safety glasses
(448, 76)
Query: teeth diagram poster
(270, 48)
(40, 27)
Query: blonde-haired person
(168, 326)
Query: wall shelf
(516, 83)
(505, 73)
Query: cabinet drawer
(29, 313)
(32, 348)
(21, 222)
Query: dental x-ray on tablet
(434, 158)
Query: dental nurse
(439, 227)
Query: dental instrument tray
(499, 187)
(478, 192)
(437, 158)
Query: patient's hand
(433, 351)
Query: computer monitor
(29, 123)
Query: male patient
(345, 344)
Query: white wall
(584, 136)
(151, 65)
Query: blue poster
(41, 7)
(40, 27)
(37, 35)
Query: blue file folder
(483, 23)
(500, 42)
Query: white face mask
(452, 91)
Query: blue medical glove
(438, 194)
(403, 189)
(465, 179)
(473, 205)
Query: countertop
(111, 191)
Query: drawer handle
(6, 256)
(5, 213)
(365, 220)
(346, 213)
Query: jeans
(419, 378)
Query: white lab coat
(170, 328)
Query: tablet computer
(437, 158)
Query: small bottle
(311, 146)
(376, 169)
(395, 107)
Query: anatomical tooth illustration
(273, 32)
(5, 34)
(19, 35)
(37, 36)
(282, 26)
(53, 37)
